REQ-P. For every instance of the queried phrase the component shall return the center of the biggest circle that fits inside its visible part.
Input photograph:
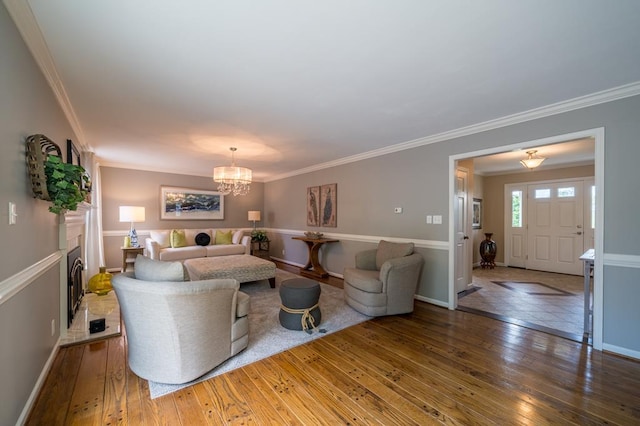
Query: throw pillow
(163, 238)
(178, 238)
(203, 239)
(223, 237)
(147, 269)
(388, 250)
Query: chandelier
(232, 179)
(532, 161)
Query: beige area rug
(266, 336)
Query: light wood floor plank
(115, 399)
(87, 400)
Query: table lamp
(254, 216)
(132, 214)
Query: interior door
(462, 262)
(555, 234)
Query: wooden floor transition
(431, 366)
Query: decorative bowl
(313, 235)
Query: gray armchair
(177, 331)
(384, 280)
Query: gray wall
(417, 180)
(27, 106)
(142, 188)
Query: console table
(313, 267)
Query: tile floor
(546, 301)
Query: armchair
(384, 280)
(177, 331)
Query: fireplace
(75, 289)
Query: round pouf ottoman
(299, 309)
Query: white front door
(555, 234)
(463, 262)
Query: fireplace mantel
(71, 234)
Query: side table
(129, 256)
(260, 249)
(313, 267)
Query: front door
(555, 234)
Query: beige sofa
(158, 246)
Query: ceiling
(171, 86)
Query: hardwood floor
(431, 366)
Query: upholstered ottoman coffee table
(241, 267)
(300, 309)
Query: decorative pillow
(237, 236)
(147, 269)
(163, 238)
(223, 237)
(388, 250)
(203, 239)
(178, 238)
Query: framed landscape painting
(328, 205)
(190, 204)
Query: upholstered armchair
(177, 331)
(384, 280)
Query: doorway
(597, 136)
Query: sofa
(178, 330)
(182, 244)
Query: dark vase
(488, 250)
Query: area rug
(266, 336)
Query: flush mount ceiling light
(532, 161)
(232, 179)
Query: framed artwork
(476, 218)
(313, 206)
(328, 205)
(190, 204)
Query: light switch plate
(429, 219)
(397, 210)
(12, 213)
(437, 220)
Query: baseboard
(432, 301)
(621, 351)
(38, 386)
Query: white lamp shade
(254, 215)
(131, 214)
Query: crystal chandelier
(232, 179)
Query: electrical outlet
(283, 252)
(53, 327)
(397, 210)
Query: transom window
(543, 193)
(566, 192)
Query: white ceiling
(170, 86)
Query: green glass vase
(100, 283)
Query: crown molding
(609, 95)
(27, 25)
